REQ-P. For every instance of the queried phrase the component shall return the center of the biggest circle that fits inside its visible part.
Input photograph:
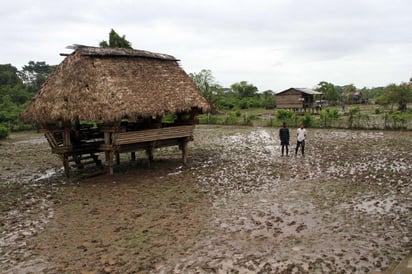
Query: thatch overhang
(110, 84)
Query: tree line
(17, 88)
(243, 95)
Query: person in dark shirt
(284, 138)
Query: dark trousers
(283, 149)
(300, 144)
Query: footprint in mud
(301, 227)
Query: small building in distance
(298, 99)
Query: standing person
(301, 135)
(284, 138)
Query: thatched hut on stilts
(125, 93)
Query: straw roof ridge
(121, 52)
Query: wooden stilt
(110, 162)
(66, 165)
(66, 143)
(96, 159)
(106, 157)
(107, 154)
(149, 152)
(78, 161)
(117, 158)
(133, 155)
(184, 151)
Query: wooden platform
(148, 140)
(115, 140)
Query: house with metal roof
(297, 99)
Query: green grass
(368, 117)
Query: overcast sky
(273, 44)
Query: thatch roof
(110, 84)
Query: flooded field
(237, 207)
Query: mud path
(238, 207)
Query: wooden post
(66, 134)
(117, 158)
(184, 151)
(110, 163)
(66, 165)
(149, 152)
(133, 155)
(108, 154)
(66, 144)
(106, 142)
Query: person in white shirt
(301, 135)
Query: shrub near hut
(4, 132)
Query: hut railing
(55, 140)
(148, 139)
(149, 135)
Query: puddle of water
(48, 173)
(378, 206)
(33, 141)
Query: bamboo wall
(289, 99)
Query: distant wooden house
(357, 98)
(125, 93)
(297, 99)
(353, 97)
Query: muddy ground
(237, 207)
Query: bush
(244, 103)
(270, 103)
(231, 119)
(169, 118)
(21, 126)
(398, 120)
(327, 116)
(284, 115)
(307, 120)
(4, 132)
(208, 119)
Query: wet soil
(237, 207)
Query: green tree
(14, 95)
(329, 92)
(348, 93)
(269, 99)
(8, 76)
(116, 41)
(9, 111)
(209, 88)
(372, 93)
(34, 74)
(383, 99)
(244, 90)
(399, 94)
(229, 99)
(11, 86)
